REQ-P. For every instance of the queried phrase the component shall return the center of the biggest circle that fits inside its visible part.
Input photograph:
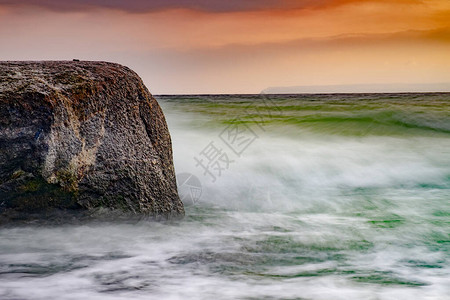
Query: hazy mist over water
(317, 197)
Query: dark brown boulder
(83, 136)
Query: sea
(324, 197)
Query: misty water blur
(337, 197)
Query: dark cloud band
(203, 5)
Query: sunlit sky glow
(239, 46)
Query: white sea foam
(298, 216)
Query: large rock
(82, 136)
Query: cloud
(202, 5)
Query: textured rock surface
(83, 135)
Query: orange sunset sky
(242, 46)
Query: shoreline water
(342, 199)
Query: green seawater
(299, 197)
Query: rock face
(81, 136)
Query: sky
(239, 46)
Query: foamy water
(329, 209)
